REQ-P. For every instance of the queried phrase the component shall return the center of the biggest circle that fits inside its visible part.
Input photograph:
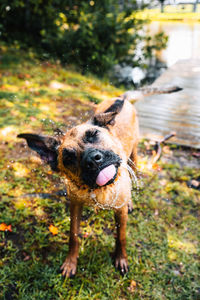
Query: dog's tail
(136, 95)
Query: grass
(179, 13)
(163, 230)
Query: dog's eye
(69, 157)
(91, 136)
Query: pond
(183, 43)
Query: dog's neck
(107, 197)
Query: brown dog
(93, 158)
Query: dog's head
(87, 154)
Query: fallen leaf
(194, 184)
(156, 212)
(176, 272)
(163, 182)
(33, 118)
(26, 256)
(166, 149)
(156, 167)
(4, 227)
(132, 286)
(53, 229)
(196, 154)
(20, 170)
(86, 234)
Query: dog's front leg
(120, 256)
(69, 266)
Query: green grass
(163, 230)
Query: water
(183, 43)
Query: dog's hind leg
(132, 162)
(130, 206)
(120, 256)
(133, 159)
(70, 264)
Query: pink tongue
(106, 175)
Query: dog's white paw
(69, 267)
(121, 263)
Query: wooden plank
(180, 112)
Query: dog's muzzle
(99, 167)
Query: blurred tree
(104, 35)
(195, 5)
(95, 34)
(162, 5)
(23, 20)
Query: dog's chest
(113, 196)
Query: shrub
(92, 34)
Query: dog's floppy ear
(108, 116)
(45, 146)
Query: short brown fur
(119, 135)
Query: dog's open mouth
(99, 167)
(107, 175)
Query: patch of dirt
(172, 154)
(185, 157)
(79, 112)
(19, 150)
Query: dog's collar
(112, 198)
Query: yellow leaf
(4, 227)
(53, 229)
(20, 170)
(132, 286)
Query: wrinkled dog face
(86, 156)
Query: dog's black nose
(93, 159)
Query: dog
(93, 159)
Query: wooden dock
(180, 112)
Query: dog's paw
(130, 207)
(69, 267)
(121, 264)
